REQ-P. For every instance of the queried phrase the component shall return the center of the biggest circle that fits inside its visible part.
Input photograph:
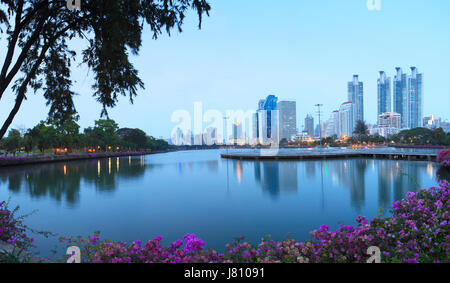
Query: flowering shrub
(417, 232)
(443, 158)
(12, 229)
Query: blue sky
(295, 49)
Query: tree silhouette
(361, 128)
(41, 30)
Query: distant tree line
(104, 136)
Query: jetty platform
(331, 153)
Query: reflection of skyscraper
(351, 175)
(276, 177)
(310, 170)
(385, 175)
(288, 177)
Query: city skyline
(240, 56)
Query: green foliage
(109, 30)
(361, 128)
(13, 142)
(105, 135)
(422, 136)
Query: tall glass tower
(408, 97)
(384, 94)
(356, 95)
(415, 91)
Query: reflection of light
(238, 169)
(109, 165)
(142, 161)
(129, 160)
(118, 164)
(98, 168)
(65, 170)
(345, 164)
(430, 170)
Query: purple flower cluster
(416, 232)
(443, 158)
(12, 229)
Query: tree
(135, 138)
(13, 142)
(41, 30)
(103, 133)
(361, 128)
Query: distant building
(347, 119)
(288, 119)
(332, 125)
(309, 125)
(430, 122)
(267, 120)
(389, 124)
(384, 93)
(408, 97)
(238, 134)
(356, 95)
(210, 137)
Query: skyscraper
(288, 119)
(384, 93)
(267, 120)
(408, 96)
(309, 125)
(347, 119)
(356, 95)
(333, 124)
(415, 105)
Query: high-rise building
(267, 120)
(384, 93)
(333, 125)
(389, 124)
(408, 97)
(288, 119)
(415, 91)
(309, 125)
(356, 95)
(238, 134)
(347, 119)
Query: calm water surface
(198, 192)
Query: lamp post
(320, 126)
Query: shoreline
(67, 158)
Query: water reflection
(276, 177)
(389, 180)
(63, 181)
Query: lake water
(198, 192)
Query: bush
(443, 158)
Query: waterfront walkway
(331, 153)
